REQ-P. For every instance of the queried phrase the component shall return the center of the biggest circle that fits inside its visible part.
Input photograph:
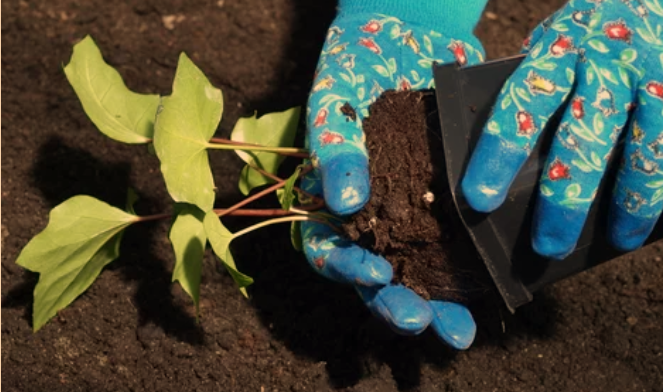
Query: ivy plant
(83, 234)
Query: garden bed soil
(410, 218)
(135, 331)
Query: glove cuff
(456, 17)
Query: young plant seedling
(83, 234)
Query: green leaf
(590, 76)
(382, 70)
(392, 65)
(187, 235)
(493, 128)
(271, 130)
(572, 191)
(287, 197)
(132, 198)
(656, 197)
(428, 64)
(361, 93)
(623, 75)
(395, 31)
(655, 184)
(536, 50)
(296, 235)
(646, 35)
(595, 19)
(608, 75)
(522, 93)
(570, 75)
(596, 159)
(582, 166)
(561, 27)
(506, 102)
(598, 46)
(415, 75)
(582, 133)
(220, 237)
(546, 191)
(185, 123)
(598, 123)
(628, 55)
(118, 112)
(655, 7)
(428, 44)
(360, 79)
(546, 66)
(82, 236)
(345, 77)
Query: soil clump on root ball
(410, 218)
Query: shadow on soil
(313, 317)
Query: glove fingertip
(402, 309)
(628, 232)
(454, 324)
(491, 170)
(556, 229)
(346, 183)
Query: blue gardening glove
(372, 46)
(604, 59)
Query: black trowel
(465, 97)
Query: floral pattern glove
(373, 46)
(604, 60)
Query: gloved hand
(372, 46)
(605, 60)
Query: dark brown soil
(410, 218)
(135, 331)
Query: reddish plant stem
(241, 212)
(219, 140)
(317, 202)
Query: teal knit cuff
(453, 17)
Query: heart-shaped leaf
(118, 112)
(270, 130)
(186, 121)
(188, 237)
(220, 237)
(82, 236)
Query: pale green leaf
(623, 75)
(546, 191)
(582, 166)
(598, 123)
(609, 75)
(270, 130)
(655, 184)
(425, 63)
(628, 55)
(656, 197)
(570, 75)
(598, 46)
(185, 123)
(546, 66)
(590, 76)
(536, 50)
(395, 31)
(187, 235)
(361, 93)
(428, 44)
(506, 102)
(561, 27)
(493, 128)
(522, 93)
(572, 191)
(415, 75)
(118, 112)
(382, 70)
(345, 77)
(596, 159)
(646, 35)
(392, 65)
(82, 236)
(287, 196)
(220, 237)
